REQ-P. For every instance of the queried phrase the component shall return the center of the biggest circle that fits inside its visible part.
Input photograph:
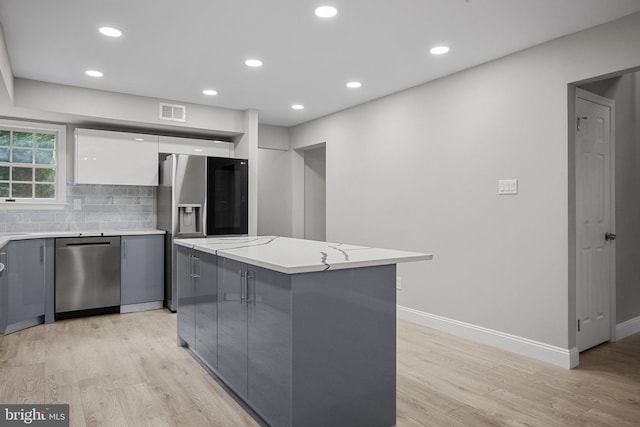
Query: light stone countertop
(292, 256)
(8, 237)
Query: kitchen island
(304, 332)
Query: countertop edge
(400, 257)
(8, 237)
(315, 267)
(183, 244)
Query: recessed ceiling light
(354, 85)
(139, 139)
(93, 73)
(297, 106)
(439, 50)
(110, 31)
(326, 11)
(198, 150)
(210, 92)
(253, 63)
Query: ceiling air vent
(176, 113)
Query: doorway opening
(604, 169)
(315, 193)
(595, 218)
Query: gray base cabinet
(186, 309)
(269, 345)
(29, 282)
(254, 337)
(206, 307)
(4, 288)
(232, 325)
(344, 348)
(302, 350)
(142, 269)
(198, 303)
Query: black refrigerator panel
(227, 196)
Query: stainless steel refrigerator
(199, 196)
(181, 209)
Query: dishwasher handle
(88, 244)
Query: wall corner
(5, 69)
(246, 146)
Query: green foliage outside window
(27, 165)
(5, 138)
(45, 175)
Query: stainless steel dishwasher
(87, 276)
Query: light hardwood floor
(126, 370)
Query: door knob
(609, 236)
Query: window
(32, 164)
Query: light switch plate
(77, 204)
(507, 186)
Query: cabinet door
(4, 283)
(49, 281)
(106, 157)
(206, 290)
(269, 344)
(142, 269)
(232, 325)
(26, 293)
(203, 147)
(186, 296)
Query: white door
(593, 219)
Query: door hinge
(578, 325)
(578, 122)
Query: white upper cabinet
(199, 147)
(116, 158)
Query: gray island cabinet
(198, 301)
(304, 332)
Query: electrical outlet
(399, 283)
(77, 204)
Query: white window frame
(61, 165)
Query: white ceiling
(175, 49)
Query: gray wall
(625, 91)
(274, 181)
(315, 194)
(418, 170)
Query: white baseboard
(630, 327)
(547, 353)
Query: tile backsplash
(102, 208)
